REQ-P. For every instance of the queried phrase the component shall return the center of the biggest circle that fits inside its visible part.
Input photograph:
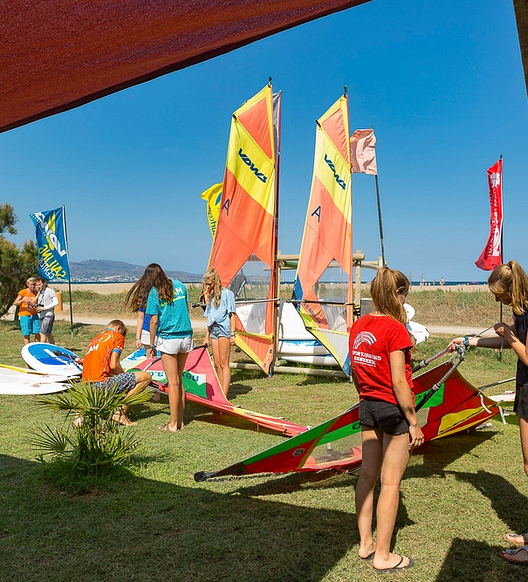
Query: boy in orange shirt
(101, 366)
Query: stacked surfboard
(53, 368)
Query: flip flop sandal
(508, 538)
(504, 553)
(368, 558)
(397, 567)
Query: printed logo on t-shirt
(364, 337)
(360, 357)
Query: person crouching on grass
(381, 368)
(102, 368)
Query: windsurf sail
(453, 407)
(244, 247)
(202, 386)
(323, 285)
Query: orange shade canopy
(59, 54)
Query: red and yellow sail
(244, 247)
(325, 304)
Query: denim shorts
(386, 416)
(216, 331)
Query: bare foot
(169, 428)
(518, 556)
(393, 563)
(516, 539)
(367, 552)
(123, 419)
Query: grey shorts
(46, 323)
(383, 415)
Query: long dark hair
(154, 276)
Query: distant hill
(104, 271)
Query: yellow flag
(213, 197)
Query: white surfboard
(327, 360)
(51, 359)
(134, 359)
(25, 382)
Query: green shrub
(99, 443)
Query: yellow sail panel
(326, 251)
(243, 251)
(254, 170)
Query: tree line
(16, 264)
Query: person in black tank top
(509, 284)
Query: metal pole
(501, 259)
(277, 273)
(379, 215)
(69, 272)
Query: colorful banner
(51, 244)
(491, 256)
(363, 152)
(213, 197)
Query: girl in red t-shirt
(381, 368)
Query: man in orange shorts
(102, 368)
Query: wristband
(232, 335)
(465, 341)
(152, 347)
(138, 339)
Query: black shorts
(383, 415)
(520, 406)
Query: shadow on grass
(440, 453)
(153, 530)
(473, 561)
(508, 503)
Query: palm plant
(98, 442)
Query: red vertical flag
(491, 256)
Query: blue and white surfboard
(51, 359)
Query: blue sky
(441, 82)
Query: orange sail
(244, 247)
(323, 286)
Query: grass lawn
(459, 494)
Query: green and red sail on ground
(454, 406)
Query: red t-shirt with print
(372, 340)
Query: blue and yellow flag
(213, 197)
(51, 244)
